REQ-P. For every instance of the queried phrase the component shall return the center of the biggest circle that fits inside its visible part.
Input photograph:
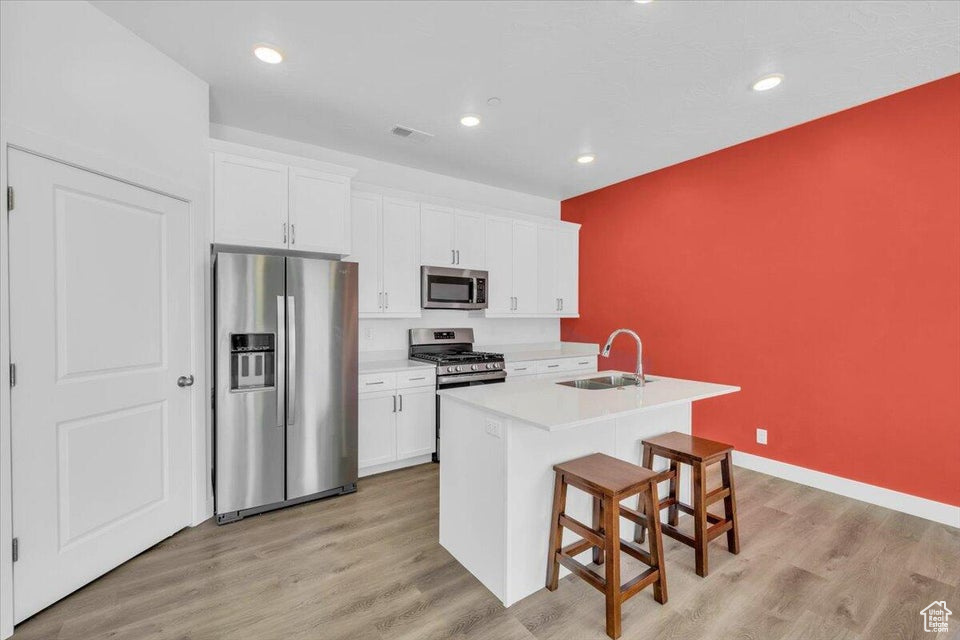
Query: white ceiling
(643, 86)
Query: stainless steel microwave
(442, 288)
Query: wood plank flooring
(813, 566)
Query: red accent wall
(819, 269)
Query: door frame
(198, 198)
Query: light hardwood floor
(813, 566)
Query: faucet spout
(609, 345)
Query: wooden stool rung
(719, 528)
(715, 495)
(633, 515)
(633, 549)
(687, 509)
(593, 579)
(676, 534)
(582, 530)
(576, 548)
(638, 584)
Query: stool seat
(608, 475)
(691, 447)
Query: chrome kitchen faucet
(606, 351)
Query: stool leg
(597, 526)
(556, 531)
(730, 504)
(673, 512)
(639, 531)
(700, 518)
(611, 536)
(656, 549)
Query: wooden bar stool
(609, 480)
(699, 453)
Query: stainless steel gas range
(458, 365)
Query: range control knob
(474, 367)
(491, 366)
(497, 365)
(458, 368)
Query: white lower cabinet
(396, 421)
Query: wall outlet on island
(761, 436)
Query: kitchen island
(500, 445)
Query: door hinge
(13, 375)
(16, 549)
(10, 199)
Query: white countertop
(545, 404)
(542, 350)
(390, 365)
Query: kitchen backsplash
(392, 334)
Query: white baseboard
(916, 506)
(393, 466)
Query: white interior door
(99, 328)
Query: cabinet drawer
(377, 382)
(553, 366)
(417, 378)
(586, 363)
(520, 369)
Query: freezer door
(249, 355)
(322, 381)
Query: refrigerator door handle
(292, 361)
(281, 349)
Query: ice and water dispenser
(253, 363)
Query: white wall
(78, 87)
(394, 176)
(71, 73)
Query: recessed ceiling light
(268, 54)
(586, 158)
(470, 120)
(768, 82)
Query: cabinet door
(365, 225)
(525, 266)
(401, 257)
(250, 201)
(568, 271)
(547, 271)
(470, 241)
(376, 428)
(416, 422)
(436, 236)
(319, 212)
(500, 265)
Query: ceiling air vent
(410, 133)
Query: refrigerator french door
(285, 408)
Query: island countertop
(552, 407)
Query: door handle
(281, 356)
(401, 402)
(453, 256)
(394, 404)
(185, 381)
(561, 304)
(292, 361)
(284, 233)
(458, 256)
(293, 234)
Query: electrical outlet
(367, 334)
(761, 436)
(494, 428)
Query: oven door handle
(468, 377)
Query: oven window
(450, 289)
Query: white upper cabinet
(319, 211)
(275, 201)
(558, 271)
(365, 224)
(451, 238)
(386, 245)
(401, 257)
(250, 201)
(437, 236)
(525, 264)
(512, 267)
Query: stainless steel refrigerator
(285, 403)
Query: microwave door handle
(281, 350)
(292, 361)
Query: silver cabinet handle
(401, 402)
(293, 234)
(552, 366)
(453, 256)
(372, 383)
(561, 304)
(380, 300)
(420, 378)
(558, 304)
(284, 233)
(458, 256)
(281, 355)
(386, 299)
(185, 381)
(394, 404)
(292, 361)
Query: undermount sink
(617, 381)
